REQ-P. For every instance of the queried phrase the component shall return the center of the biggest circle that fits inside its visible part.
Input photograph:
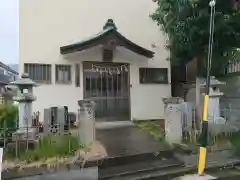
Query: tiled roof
(109, 32)
(8, 68)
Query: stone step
(138, 169)
(122, 160)
(218, 174)
(177, 173)
(165, 169)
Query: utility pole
(204, 133)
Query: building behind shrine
(107, 51)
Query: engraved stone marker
(87, 122)
(173, 119)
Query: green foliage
(194, 137)
(49, 147)
(235, 140)
(8, 119)
(154, 129)
(186, 23)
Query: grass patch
(49, 147)
(192, 139)
(195, 138)
(235, 140)
(216, 141)
(153, 128)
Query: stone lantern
(213, 105)
(25, 98)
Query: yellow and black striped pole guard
(204, 134)
(204, 137)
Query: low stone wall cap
(86, 103)
(173, 100)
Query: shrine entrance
(107, 84)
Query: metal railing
(32, 143)
(232, 67)
(221, 129)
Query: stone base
(23, 135)
(87, 132)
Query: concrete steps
(138, 169)
(167, 166)
(172, 172)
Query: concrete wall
(46, 25)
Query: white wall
(46, 25)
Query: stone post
(47, 122)
(62, 119)
(198, 101)
(86, 124)
(173, 119)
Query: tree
(186, 23)
(8, 119)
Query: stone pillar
(25, 130)
(21, 112)
(62, 119)
(87, 122)
(173, 119)
(199, 107)
(213, 107)
(47, 121)
(25, 114)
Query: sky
(9, 31)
